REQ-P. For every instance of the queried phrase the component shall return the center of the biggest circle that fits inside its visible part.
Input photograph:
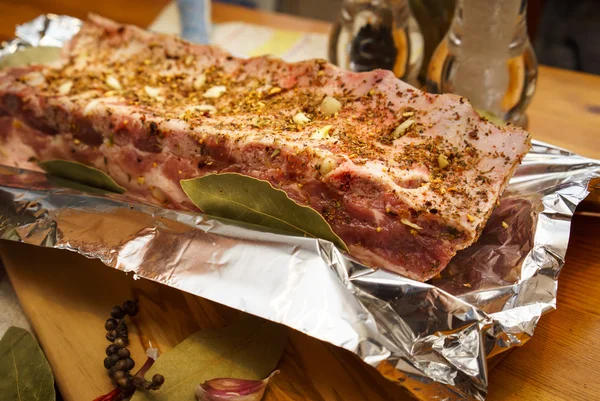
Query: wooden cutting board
(68, 298)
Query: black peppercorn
(123, 353)
(111, 335)
(118, 361)
(124, 383)
(118, 374)
(158, 380)
(121, 365)
(129, 363)
(117, 312)
(130, 307)
(112, 371)
(112, 349)
(113, 359)
(122, 331)
(111, 324)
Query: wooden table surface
(560, 363)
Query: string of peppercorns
(118, 361)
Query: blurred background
(564, 33)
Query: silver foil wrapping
(433, 338)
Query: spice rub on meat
(405, 178)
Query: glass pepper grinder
(486, 56)
(373, 34)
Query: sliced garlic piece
(188, 60)
(413, 225)
(158, 194)
(329, 106)
(90, 106)
(152, 91)
(65, 88)
(301, 119)
(322, 132)
(201, 108)
(199, 81)
(399, 131)
(215, 92)
(35, 79)
(327, 165)
(113, 83)
(443, 161)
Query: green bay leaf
(248, 349)
(242, 198)
(24, 370)
(81, 174)
(31, 55)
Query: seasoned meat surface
(405, 178)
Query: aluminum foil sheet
(432, 338)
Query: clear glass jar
(373, 34)
(486, 56)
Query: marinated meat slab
(405, 178)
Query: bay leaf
(248, 349)
(239, 197)
(31, 55)
(24, 370)
(82, 174)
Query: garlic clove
(301, 119)
(322, 133)
(199, 82)
(443, 161)
(327, 166)
(113, 83)
(401, 129)
(232, 389)
(152, 91)
(329, 106)
(65, 88)
(215, 92)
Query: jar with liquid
(372, 34)
(486, 56)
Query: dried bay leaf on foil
(81, 174)
(24, 371)
(248, 349)
(242, 198)
(31, 55)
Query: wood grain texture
(565, 110)
(67, 297)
